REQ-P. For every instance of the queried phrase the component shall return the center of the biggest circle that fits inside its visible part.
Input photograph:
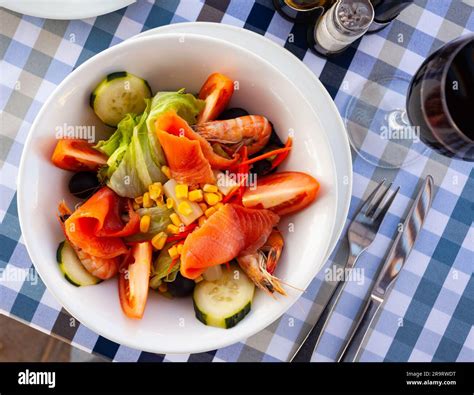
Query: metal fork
(361, 234)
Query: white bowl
(170, 62)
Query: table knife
(396, 258)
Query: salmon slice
(96, 226)
(172, 123)
(185, 159)
(232, 231)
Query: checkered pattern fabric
(429, 313)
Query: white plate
(169, 62)
(307, 83)
(65, 9)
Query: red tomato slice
(134, 280)
(217, 92)
(77, 155)
(283, 193)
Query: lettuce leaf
(135, 155)
(160, 219)
(186, 105)
(160, 270)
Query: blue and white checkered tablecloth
(430, 312)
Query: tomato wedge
(133, 280)
(283, 193)
(216, 91)
(77, 155)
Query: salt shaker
(341, 25)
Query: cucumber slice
(72, 267)
(119, 94)
(224, 302)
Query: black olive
(181, 286)
(261, 168)
(274, 139)
(231, 113)
(83, 184)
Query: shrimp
(251, 130)
(102, 268)
(260, 265)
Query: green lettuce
(160, 219)
(186, 105)
(135, 155)
(161, 271)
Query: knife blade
(394, 262)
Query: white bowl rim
(82, 317)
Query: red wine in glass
(440, 99)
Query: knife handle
(353, 348)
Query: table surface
(429, 313)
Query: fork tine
(383, 210)
(373, 207)
(371, 197)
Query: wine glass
(391, 120)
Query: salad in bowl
(183, 199)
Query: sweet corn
(211, 198)
(220, 195)
(219, 205)
(203, 206)
(169, 203)
(210, 188)
(181, 191)
(147, 202)
(184, 208)
(163, 287)
(179, 247)
(166, 171)
(175, 219)
(145, 223)
(210, 211)
(155, 190)
(173, 251)
(201, 220)
(139, 200)
(136, 206)
(159, 240)
(172, 228)
(195, 196)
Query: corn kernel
(196, 196)
(173, 251)
(198, 279)
(172, 228)
(169, 203)
(219, 205)
(159, 240)
(181, 191)
(147, 202)
(211, 198)
(179, 248)
(163, 287)
(220, 195)
(184, 208)
(139, 200)
(145, 223)
(203, 206)
(166, 171)
(210, 211)
(175, 219)
(136, 206)
(210, 188)
(155, 190)
(201, 220)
